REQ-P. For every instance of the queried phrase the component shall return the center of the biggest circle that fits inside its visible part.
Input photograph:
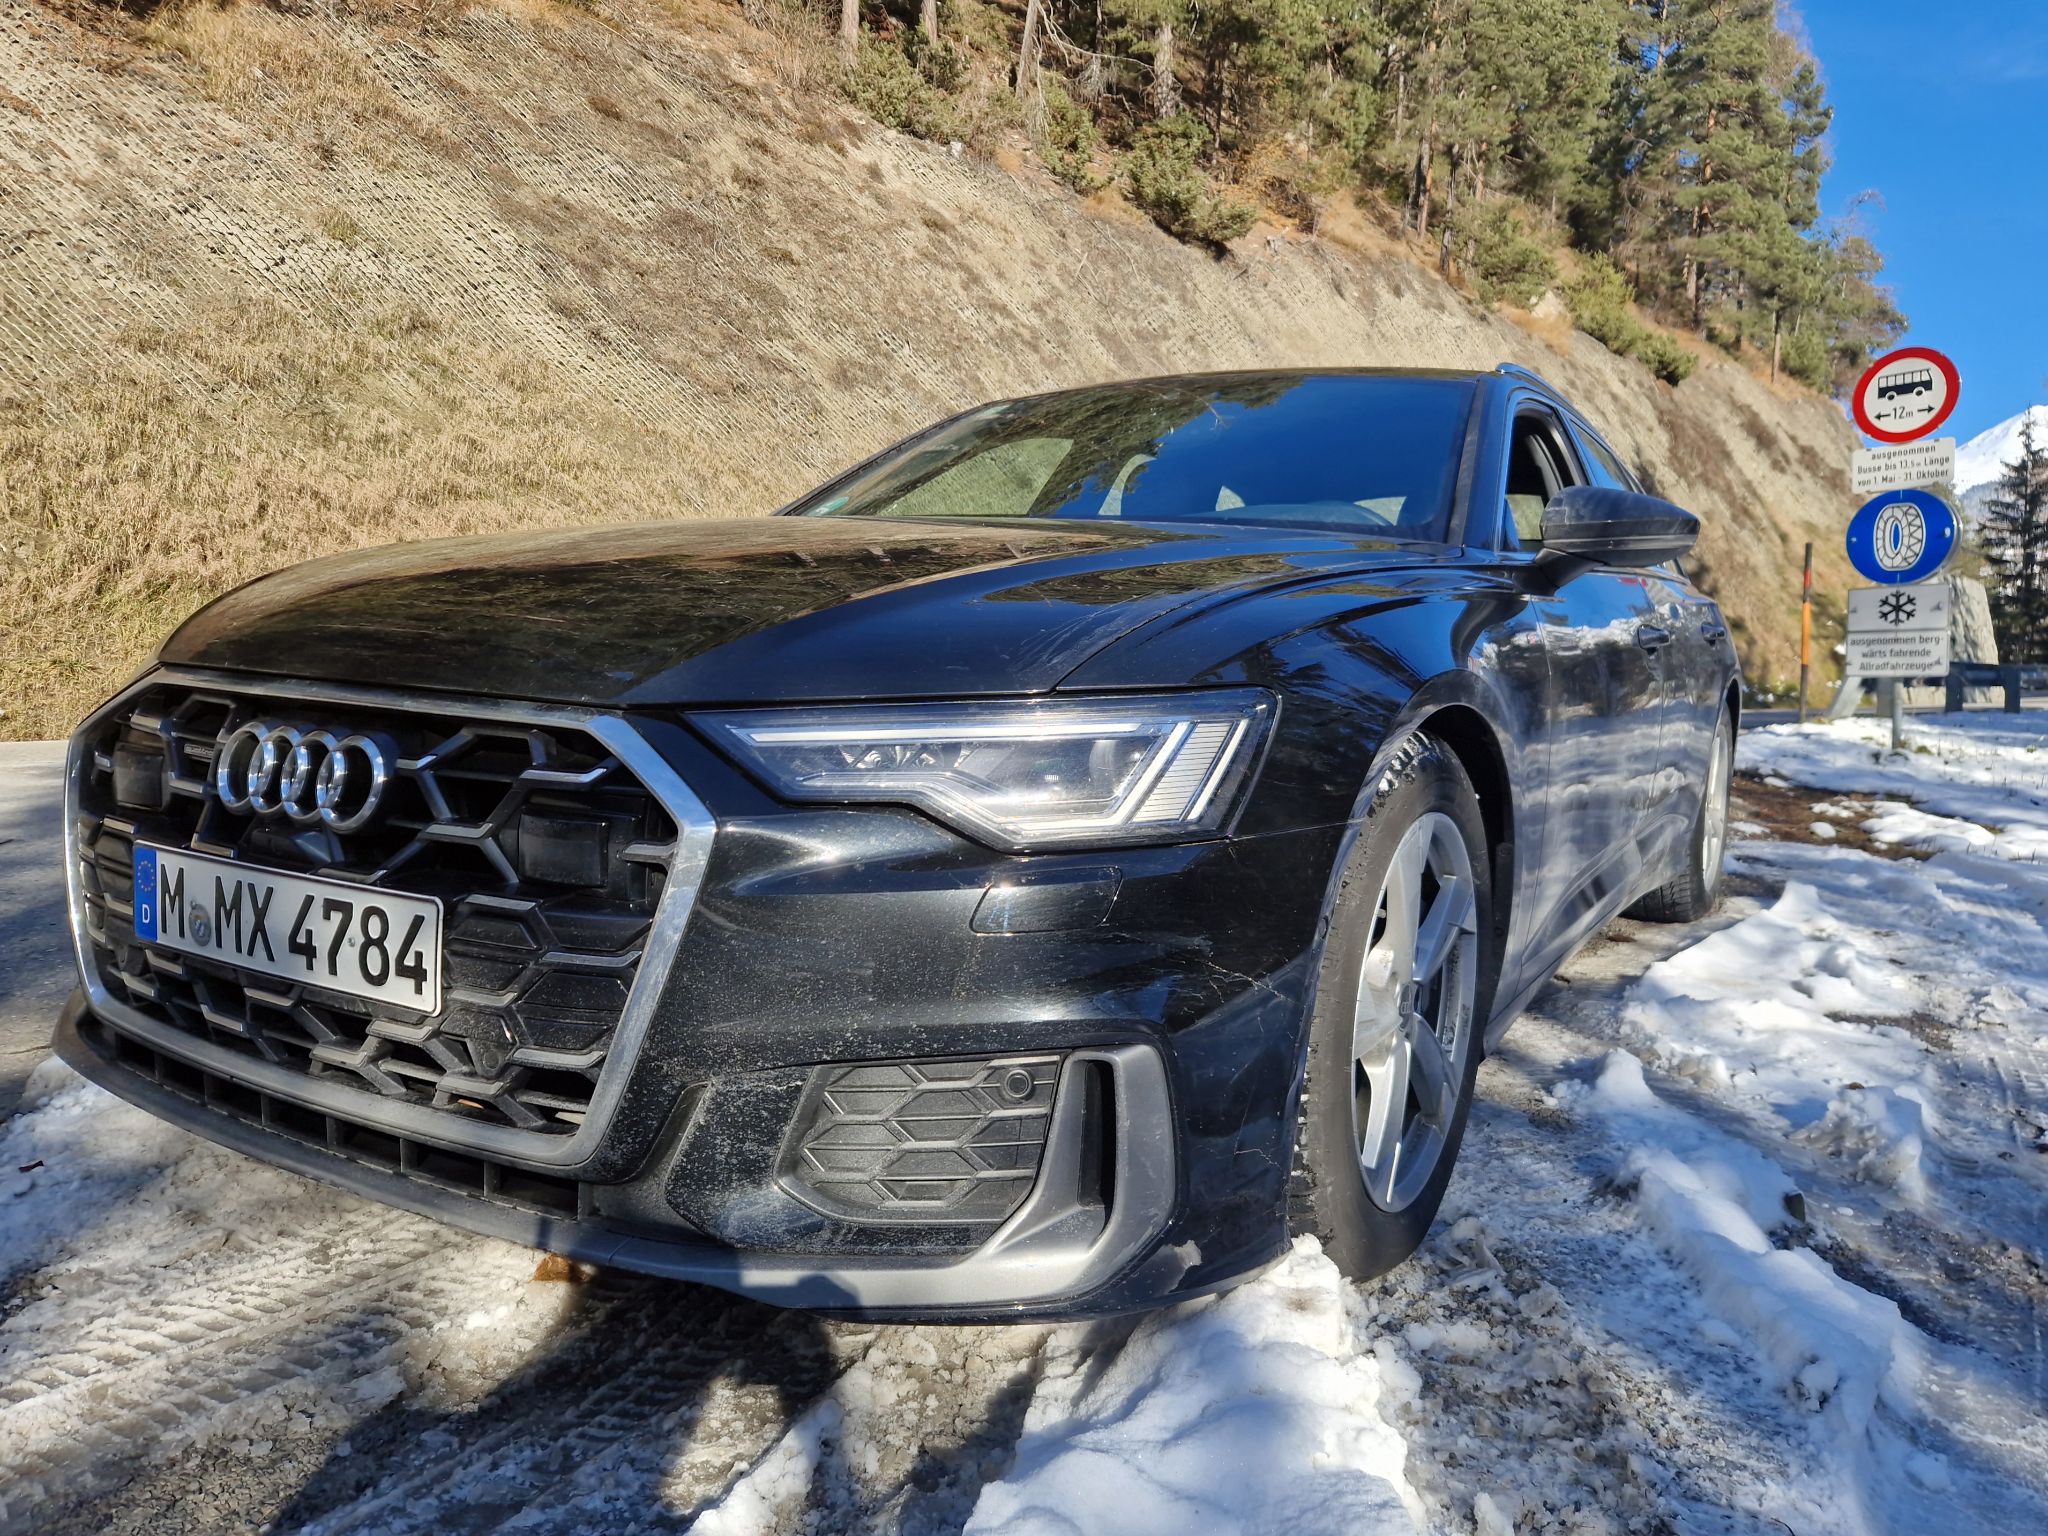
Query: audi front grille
(563, 850)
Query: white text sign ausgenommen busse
(1899, 631)
(1931, 461)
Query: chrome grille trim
(695, 829)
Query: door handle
(1711, 631)
(1652, 637)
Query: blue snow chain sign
(1901, 537)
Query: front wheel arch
(1416, 770)
(1472, 740)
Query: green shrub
(1806, 357)
(942, 64)
(1067, 139)
(1665, 357)
(1600, 297)
(1501, 260)
(1167, 181)
(883, 82)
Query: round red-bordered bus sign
(1905, 394)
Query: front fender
(1359, 663)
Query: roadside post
(1805, 630)
(1903, 535)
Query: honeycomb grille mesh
(536, 975)
(923, 1141)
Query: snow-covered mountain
(1981, 460)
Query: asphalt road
(35, 960)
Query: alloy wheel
(1412, 1033)
(1714, 833)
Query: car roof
(1224, 377)
(1502, 374)
(1245, 375)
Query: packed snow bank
(1251, 1412)
(1977, 783)
(1788, 1009)
(1711, 1202)
(1881, 1133)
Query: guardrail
(2017, 679)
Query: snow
(776, 1485)
(1982, 459)
(1747, 1237)
(1976, 782)
(1712, 1202)
(1786, 1007)
(71, 1157)
(1256, 1411)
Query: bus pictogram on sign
(1905, 394)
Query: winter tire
(1689, 896)
(1401, 1002)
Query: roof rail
(1516, 370)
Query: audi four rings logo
(306, 775)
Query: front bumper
(1046, 1257)
(1165, 988)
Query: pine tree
(2015, 534)
(1681, 140)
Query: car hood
(758, 610)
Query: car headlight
(1026, 774)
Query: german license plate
(370, 943)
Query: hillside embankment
(277, 284)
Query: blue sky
(1942, 109)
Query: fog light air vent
(922, 1141)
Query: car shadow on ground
(640, 1407)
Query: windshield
(1370, 454)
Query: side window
(1604, 465)
(1539, 467)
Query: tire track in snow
(165, 1318)
(82, 1434)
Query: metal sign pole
(1805, 630)
(1898, 688)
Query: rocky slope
(272, 285)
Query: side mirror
(1597, 525)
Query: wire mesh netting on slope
(276, 284)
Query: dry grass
(794, 40)
(266, 67)
(397, 269)
(192, 460)
(1554, 330)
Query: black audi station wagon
(1034, 875)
